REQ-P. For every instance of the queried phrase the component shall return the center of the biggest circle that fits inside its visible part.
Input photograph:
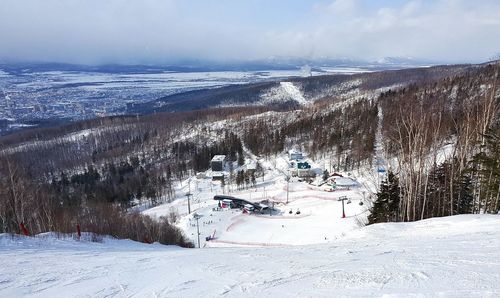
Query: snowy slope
(286, 91)
(320, 220)
(293, 92)
(446, 257)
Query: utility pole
(197, 217)
(287, 187)
(287, 178)
(343, 198)
(189, 203)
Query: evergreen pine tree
(241, 159)
(379, 210)
(325, 175)
(386, 206)
(466, 199)
(489, 171)
(394, 196)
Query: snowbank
(447, 257)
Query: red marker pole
(24, 230)
(343, 210)
(343, 198)
(78, 231)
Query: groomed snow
(320, 220)
(443, 257)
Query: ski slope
(320, 220)
(443, 257)
(294, 92)
(284, 92)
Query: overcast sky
(168, 31)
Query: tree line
(52, 178)
(460, 113)
(346, 134)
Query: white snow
(70, 137)
(320, 219)
(293, 92)
(284, 92)
(20, 125)
(442, 257)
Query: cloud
(169, 31)
(338, 7)
(443, 30)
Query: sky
(173, 31)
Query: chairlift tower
(287, 187)
(197, 217)
(188, 195)
(343, 198)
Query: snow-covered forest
(392, 146)
(435, 130)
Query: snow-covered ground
(443, 257)
(319, 219)
(284, 92)
(314, 253)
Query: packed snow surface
(443, 257)
(309, 213)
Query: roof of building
(303, 165)
(218, 158)
(251, 166)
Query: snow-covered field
(442, 257)
(319, 219)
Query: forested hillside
(460, 113)
(94, 172)
(312, 89)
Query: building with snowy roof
(218, 163)
(295, 155)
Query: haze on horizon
(172, 31)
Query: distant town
(33, 93)
(30, 97)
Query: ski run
(303, 248)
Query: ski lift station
(295, 155)
(218, 163)
(302, 170)
(227, 202)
